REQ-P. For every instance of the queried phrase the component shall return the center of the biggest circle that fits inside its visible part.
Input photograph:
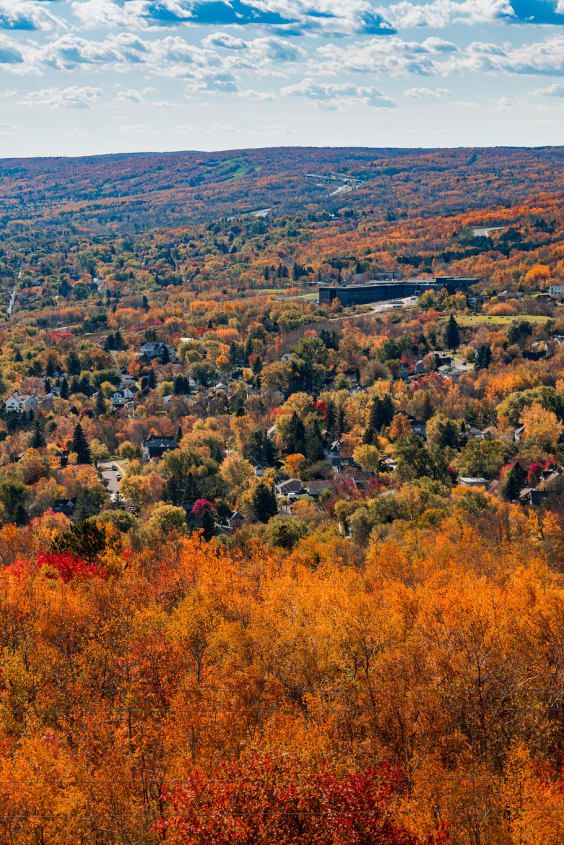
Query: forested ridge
(133, 192)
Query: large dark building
(361, 294)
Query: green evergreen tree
(452, 334)
(80, 445)
(37, 440)
(513, 482)
(100, 403)
(264, 502)
(314, 443)
(483, 356)
(73, 364)
(296, 436)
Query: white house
(21, 404)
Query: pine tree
(64, 388)
(296, 436)
(100, 403)
(483, 356)
(73, 364)
(452, 334)
(80, 446)
(314, 443)
(37, 440)
(264, 502)
(387, 409)
(514, 481)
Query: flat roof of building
(427, 280)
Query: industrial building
(376, 291)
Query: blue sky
(97, 76)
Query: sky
(82, 77)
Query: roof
(160, 442)
(291, 485)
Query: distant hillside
(134, 192)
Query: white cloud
(132, 95)
(74, 97)
(426, 93)
(225, 41)
(26, 16)
(541, 57)
(441, 13)
(436, 57)
(392, 56)
(336, 95)
(555, 90)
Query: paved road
(110, 470)
(380, 308)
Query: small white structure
(21, 404)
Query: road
(110, 470)
(380, 308)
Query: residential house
(21, 404)
(290, 487)
(156, 447)
(231, 523)
(467, 481)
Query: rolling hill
(134, 192)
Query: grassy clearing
(469, 320)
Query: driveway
(110, 470)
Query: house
(156, 447)
(338, 461)
(127, 381)
(64, 506)
(388, 465)
(260, 469)
(532, 496)
(556, 290)
(518, 433)
(418, 427)
(21, 404)
(476, 433)
(318, 486)
(290, 487)
(231, 524)
(155, 349)
(467, 481)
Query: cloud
(131, 95)
(555, 90)
(75, 97)
(335, 95)
(225, 41)
(541, 57)
(427, 93)
(10, 53)
(292, 17)
(436, 57)
(441, 13)
(392, 56)
(25, 16)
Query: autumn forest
(276, 570)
